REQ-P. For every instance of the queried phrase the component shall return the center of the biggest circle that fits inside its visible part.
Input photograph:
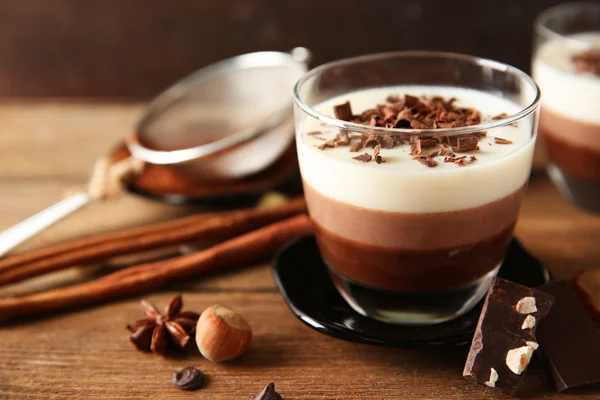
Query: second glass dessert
(414, 166)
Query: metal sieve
(225, 121)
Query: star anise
(160, 333)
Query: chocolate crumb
(365, 157)
(499, 140)
(327, 144)
(587, 61)
(500, 116)
(472, 158)
(428, 161)
(376, 155)
(466, 144)
(343, 111)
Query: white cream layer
(401, 184)
(564, 91)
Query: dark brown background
(134, 48)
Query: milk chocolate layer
(572, 145)
(413, 252)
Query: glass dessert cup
(565, 35)
(408, 242)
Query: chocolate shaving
(428, 161)
(587, 61)
(365, 157)
(415, 147)
(342, 138)
(343, 111)
(314, 133)
(499, 140)
(327, 144)
(357, 146)
(466, 144)
(376, 155)
(386, 141)
(371, 141)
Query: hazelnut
(529, 322)
(526, 305)
(518, 359)
(222, 334)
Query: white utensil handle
(12, 237)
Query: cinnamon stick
(215, 226)
(250, 247)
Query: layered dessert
(409, 213)
(567, 70)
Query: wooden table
(47, 148)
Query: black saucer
(304, 282)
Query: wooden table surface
(49, 147)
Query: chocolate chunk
(502, 348)
(342, 138)
(499, 140)
(327, 144)
(365, 157)
(428, 161)
(570, 339)
(466, 144)
(343, 111)
(376, 155)
(587, 61)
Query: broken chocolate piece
(501, 349)
(343, 111)
(499, 140)
(570, 339)
(365, 157)
(466, 144)
(327, 144)
(588, 61)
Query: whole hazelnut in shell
(222, 334)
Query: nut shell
(222, 334)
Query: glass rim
(355, 127)
(540, 21)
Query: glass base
(412, 309)
(579, 192)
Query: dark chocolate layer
(413, 252)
